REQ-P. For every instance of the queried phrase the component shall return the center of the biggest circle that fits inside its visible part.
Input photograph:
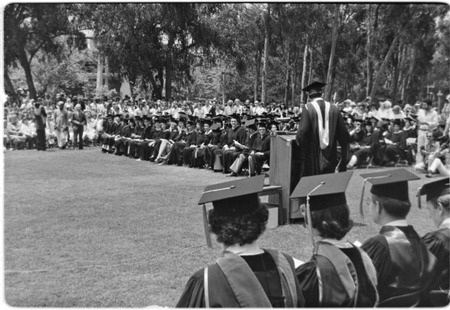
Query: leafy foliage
(213, 49)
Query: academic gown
(323, 273)
(404, 265)
(371, 140)
(391, 150)
(263, 147)
(438, 243)
(315, 160)
(221, 294)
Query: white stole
(324, 133)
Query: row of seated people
(385, 143)
(203, 143)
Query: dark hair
(244, 229)
(443, 199)
(332, 222)
(428, 101)
(394, 207)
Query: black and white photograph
(226, 154)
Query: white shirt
(25, 130)
(445, 223)
(427, 119)
(401, 223)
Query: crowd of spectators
(230, 137)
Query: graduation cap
(357, 119)
(388, 183)
(263, 124)
(320, 192)
(316, 85)
(207, 120)
(251, 124)
(233, 199)
(236, 117)
(324, 190)
(215, 126)
(373, 118)
(398, 122)
(272, 122)
(183, 115)
(433, 189)
(283, 119)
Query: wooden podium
(285, 172)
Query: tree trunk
(157, 87)
(223, 87)
(266, 55)
(369, 50)
(294, 80)
(287, 77)
(311, 61)
(27, 68)
(257, 72)
(169, 68)
(99, 73)
(106, 72)
(168, 85)
(411, 69)
(9, 88)
(333, 52)
(383, 67)
(305, 60)
(396, 64)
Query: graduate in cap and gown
(321, 128)
(339, 273)
(243, 152)
(438, 242)
(257, 159)
(246, 275)
(405, 267)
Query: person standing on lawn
(339, 273)
(246, 275)
(405, 267)
(40, 120)
(438, 242)
(61, 125)
(78, 123)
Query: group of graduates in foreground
(225, 144)
(396, 268)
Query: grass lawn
(86, 229)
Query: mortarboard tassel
(361, 209)
(308, 215)
(419, 201)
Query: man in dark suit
(78, 122)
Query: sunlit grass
(88, 229)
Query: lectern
(285, 172)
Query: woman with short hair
(339, 274)
(246, 275)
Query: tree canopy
(250, 51)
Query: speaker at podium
(285, 172)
